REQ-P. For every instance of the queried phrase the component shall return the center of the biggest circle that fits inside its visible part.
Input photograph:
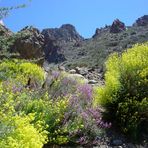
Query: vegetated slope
(65, 46)
(94, 51)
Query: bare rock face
(66, 33)
(117, 26)
(53, 52)
(30, 43)
(142, 21)
(56, 39)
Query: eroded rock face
(30, 43)
(53, 52)
(66, 33)
(142, 21)
(117, 26)
(56, 39)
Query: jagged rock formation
(57, 39)
(142, 21)
(93, 52)
(117, 26)
(65, 46)
(66, 33)
(30, 43)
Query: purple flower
(84, 115)
(83, 140)
(55, 74)
(16, 89)
(86, 91)
(69, 80)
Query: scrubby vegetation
(33, 114)
(125, 94)
(38, 109)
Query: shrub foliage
(125, 94)
(32, 115)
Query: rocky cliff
(56, 39)
(64, 45)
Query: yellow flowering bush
(18, 132)
(52, 113)
(21, 71)
(125, 94)
(36, 115)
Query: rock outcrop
(65, 46)
(30, 43)
(53, 52)
(56, 39)
(117, 26)
(142, 21)
(66, 33)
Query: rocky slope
(65, 46)
(115, 38)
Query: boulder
(30, 43)
(117, 26)
(72, 71)
(117, 142)
(61, 68)
(92, 82)
(83, 70)
(78, 77)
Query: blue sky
(85, 15)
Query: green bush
(17, 131)
(21, 71)
(52, 113)
(61, 110)
(125, 94)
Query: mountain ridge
(64, 45)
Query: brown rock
(117, 26)
(30, 44)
